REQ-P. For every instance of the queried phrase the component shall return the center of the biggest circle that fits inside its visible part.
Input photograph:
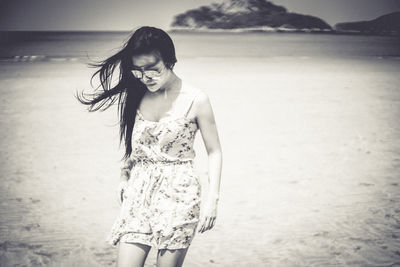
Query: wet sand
(310, 175)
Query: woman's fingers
(202, 224)
(207, 223)
(120, 197)
(120, 190)
(203, 227)
(211, 224)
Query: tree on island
(241, 14)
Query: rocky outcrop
(385, 25)
(247, 15)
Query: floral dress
(161, 204)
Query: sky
(125, 15)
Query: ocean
(79, 46)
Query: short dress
(161, 204)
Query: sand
(310, 174)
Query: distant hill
(246, 15)
(385, 25)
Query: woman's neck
(172, 85)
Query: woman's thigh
(171, 258)
(132, 254)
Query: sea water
(32, 46)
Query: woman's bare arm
(126, 169)
(206, 121)
(208, 128)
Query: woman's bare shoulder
(201, 102)
(201, 97)
(193, 91)
(196, 92)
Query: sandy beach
(310, 176)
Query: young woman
(159, 192)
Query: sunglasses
(148, 73)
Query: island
(388, 24)
(247, 15)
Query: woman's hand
(209, 214)
(121, 188)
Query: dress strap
(139, 113)
(197, 92)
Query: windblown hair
(129, 90)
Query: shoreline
(4, 33)
(277, 30)
(83, 60)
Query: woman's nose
(145, 78)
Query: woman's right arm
(125, 175)
(126, 169)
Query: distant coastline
(277, 30)
(261, 29)
(388, 24)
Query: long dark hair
(129, 90)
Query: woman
(159, 192)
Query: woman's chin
(153, 88)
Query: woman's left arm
(208, 128)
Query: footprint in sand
(34, 200)
(365, 184)
(323, 234)
(31, 225)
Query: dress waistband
(151, 161)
